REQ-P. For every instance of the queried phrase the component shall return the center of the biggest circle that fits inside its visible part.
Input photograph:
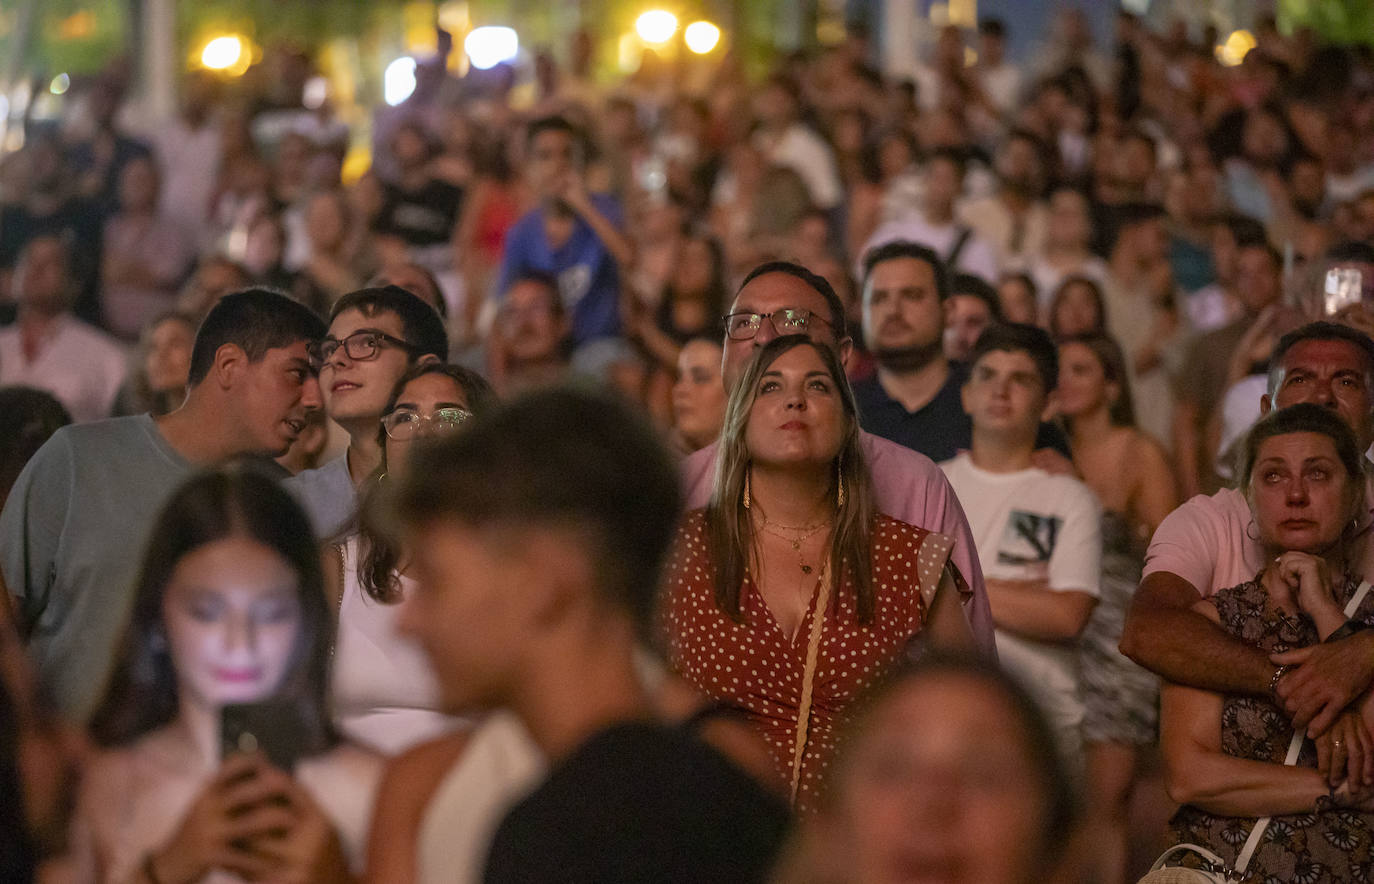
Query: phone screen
(275, 728)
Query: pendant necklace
(806, 533)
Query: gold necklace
(807, 532)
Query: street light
(486, 47)
(398, 81)
(656, 26)
(701, 37)
(222, 53)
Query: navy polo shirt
(939, 429)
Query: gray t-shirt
(72, 538)
(327, 495)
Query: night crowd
(817, 477)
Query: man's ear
(230, 363)
(1266, 405)
(427, 359)
(845, 350)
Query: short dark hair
(546, 281)
(566, 458)
(977, 287)
(905, 249)
(814, 280)
(1015, 337)
(210, 506)
(255, 320)
(968, 285)
(1304, 417)
(555, 123)
(28, 416)
(1321, 330)
(421, 326)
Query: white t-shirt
(1031, 525)
(77, 363)
(976, 256)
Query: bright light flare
(399, 80)
(701, 37)
(222, 53)
(1232, 52)
(59, 85)
(488, 46)
(656, 26)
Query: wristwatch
(1346, 630)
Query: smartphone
(275, 728)
(1344, 287)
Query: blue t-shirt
(587, 274)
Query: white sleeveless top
(499, 766)
(383, 691)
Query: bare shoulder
(1144, 449)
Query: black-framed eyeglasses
(788, 321)
(359, 346)
(406, 424)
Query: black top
(939, 429)
(422, 217)
(641, 802)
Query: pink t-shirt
(1209, 542)
(909, 487)
(1205, 542)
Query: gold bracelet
(1279, 673)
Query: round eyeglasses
(788, 321)
(403, 425)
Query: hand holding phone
(239, 806)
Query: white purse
(1216, 871)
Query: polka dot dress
(753, 666)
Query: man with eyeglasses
(375, 336)
(781, 298)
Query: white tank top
(383, 691)
(499, 765)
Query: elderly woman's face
(798, 415)
(1300, 493)
(951, 797)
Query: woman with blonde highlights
(789, 594)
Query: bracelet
(151, 874)
(1279, 673)
(1346, 630)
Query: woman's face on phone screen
(232, 612)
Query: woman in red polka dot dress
(791, 529)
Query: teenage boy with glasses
(375, 335)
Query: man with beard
(1014, 219)
(914, 399)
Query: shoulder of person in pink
(909, 488)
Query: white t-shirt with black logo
(1031, 525)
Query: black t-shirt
(640, 802)
(422, 217)
(939, 429)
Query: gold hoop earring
(839, 486)
(747, 500)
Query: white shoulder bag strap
(1294, 747)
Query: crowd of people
(827, 477)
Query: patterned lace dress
(1334, 846)
(1120, 698)
(753, 667)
